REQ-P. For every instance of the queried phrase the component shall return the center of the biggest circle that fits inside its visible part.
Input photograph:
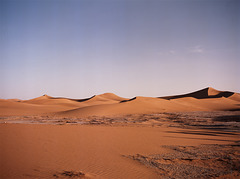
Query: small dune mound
(235, 97)
(15, 100)
(45, 96)
(203, 94)
(106, 98)
(211, 91)
(39, 99)
(48, 100)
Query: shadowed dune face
(203, 94)
(207, 99)
(82, 100)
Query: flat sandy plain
(195, 135)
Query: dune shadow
(200, 138)
(217, 127)
(235, 109)
(128, 100)
(209, 133)
(77, 100)
(201, 94)
(227, 118)
(82, 100)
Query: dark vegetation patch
(204, 161)
(231, 118)
(67, 173)
(217, 120)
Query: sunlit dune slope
(210, 104)
(12, 108)
(106, 98)
(48, 100)
(235, 97)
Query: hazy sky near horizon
(78, 48)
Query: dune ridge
(207, 99)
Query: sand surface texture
(43, 151)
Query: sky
(79, 48)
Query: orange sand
(39, 151)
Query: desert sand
(109, 104)
(194, 135)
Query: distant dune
(207, 99)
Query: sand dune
(11, 108)
(235, 97)
(215, 104)
(106, 98)
(15, 100)
(207, 99)
(48, 100)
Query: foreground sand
(98, 151)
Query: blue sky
(129, 47)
